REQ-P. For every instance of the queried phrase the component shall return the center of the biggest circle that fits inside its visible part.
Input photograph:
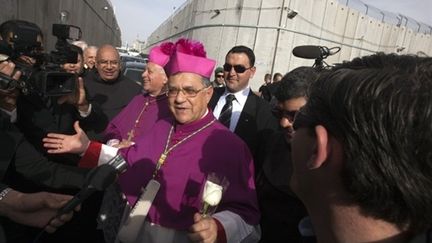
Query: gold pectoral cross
(130, 135)
(160, 162)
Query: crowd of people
(334, 155)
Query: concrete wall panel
(263, 25)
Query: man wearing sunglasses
(219, 80)
(281, 210)
(361, 153)
(240, 109)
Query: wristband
(4, 193)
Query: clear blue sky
(139, 18)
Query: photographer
(17, 155)
(39, 112)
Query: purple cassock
(138, 116)
(183, 175)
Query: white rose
(212, 193)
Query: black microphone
(314, 52)
(98, 179)
(308, 52)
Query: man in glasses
(281, 210)
(240, 109)
(362, 158)
(108, 89)
(173, 160)
(219, 80)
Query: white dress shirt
(238, 104)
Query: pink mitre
(190, 56)
(161, 54)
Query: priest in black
(107, 88)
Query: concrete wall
(95, 18)
(264, 26)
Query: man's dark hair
(77, 49)
(379, 108)
(295, 84)
(277, 75)
(246, 50)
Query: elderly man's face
(90, 57)
(154, 79)
(188, 97)
(108, 63)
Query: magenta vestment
(124, 122)
(182, 177)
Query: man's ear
(322, 148)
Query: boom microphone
(98, 179)
(308, 52)
(314, 52)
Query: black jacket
(109, 97)
(19, 158)
(255, 123)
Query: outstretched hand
(60, 143)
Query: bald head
(108, 63)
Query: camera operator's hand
(35, 209)
(60, 143)
(78, 98)
(8, 98)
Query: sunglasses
(219, 76)
(237, 68)
(290, 115)
(303, 120)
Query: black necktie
(225, 116)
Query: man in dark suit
(237, 107)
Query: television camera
(46, 76)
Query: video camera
(45, 76)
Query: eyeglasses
(290, 115)
(219, 76)
(188, 92)
(237, 68)
(106, 63)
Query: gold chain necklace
(131, 133)
(167, 150)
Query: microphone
(314, 52)
(98, 179)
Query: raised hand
(60, 143)
(8, 98)
(78, 98)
